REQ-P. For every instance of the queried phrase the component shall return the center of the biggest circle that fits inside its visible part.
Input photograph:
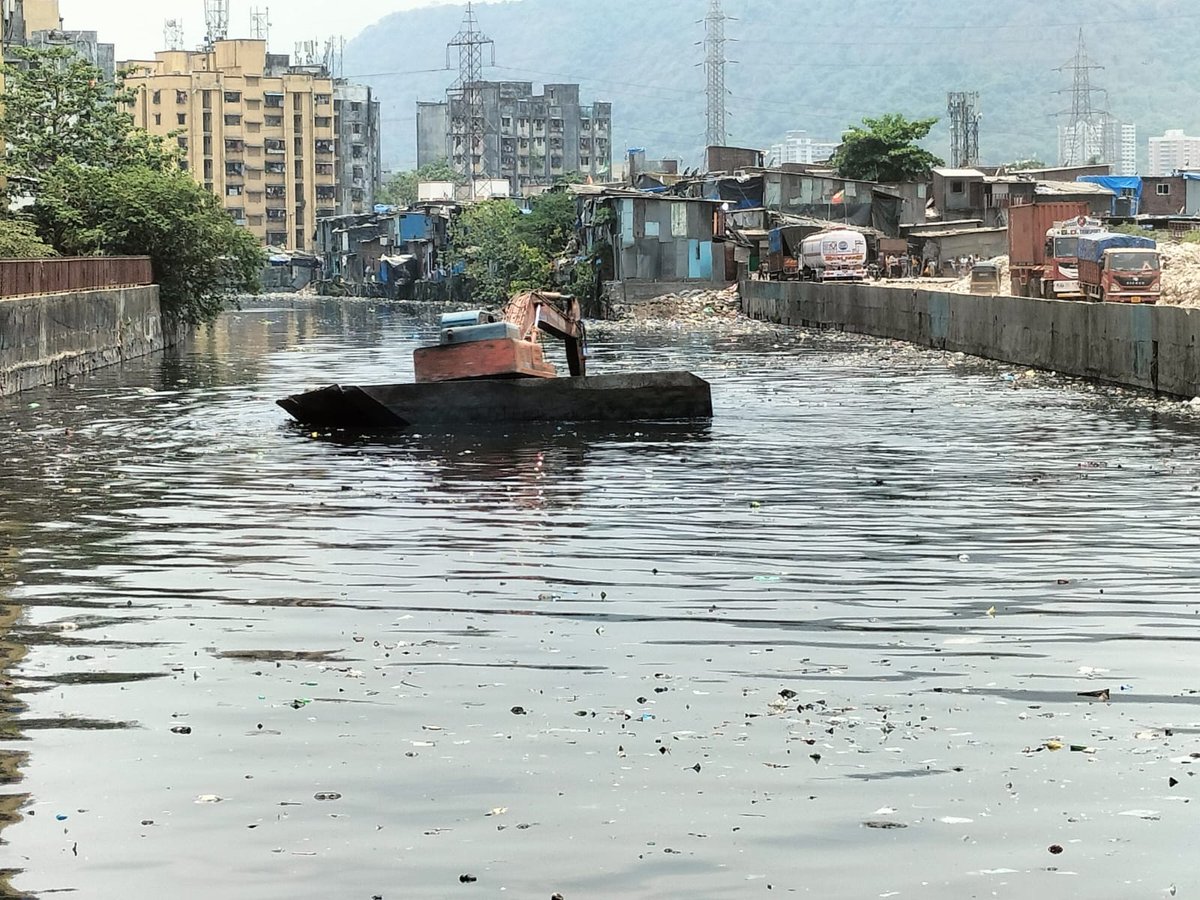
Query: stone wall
(1153, 347)
(49, 339)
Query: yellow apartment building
(257, 131)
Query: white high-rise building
(798, 147)
(1103, 140)
(1172, 152)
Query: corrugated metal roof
(1071, 188)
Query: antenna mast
(468, 127)
(173, 34)
(260, 23)
(216, 21)
(1087, 129)
(714, 67)
(963, 109)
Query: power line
(1084, 134)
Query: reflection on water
(637, 662)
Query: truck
(1061, 279)
(1031, 246)
(781, 262)
(1120, 268)
(834, 256)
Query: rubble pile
(1181, 273)
(697, 310)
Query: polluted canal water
(884, 628)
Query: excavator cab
(480, 344)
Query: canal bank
(1151, 347)
(65, 317)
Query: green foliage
(507, 251)
(58, 106)
(550, 224)
(19, 240)
(1188, 237)
(201, 258)
(886, 150)
(486, 237)
(401, 189)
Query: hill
(816, 65)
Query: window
(357, 129)
(183, 143)
(275, 147)
(181, 118)
(1163, 190)
(323, 99)
(273, 100)
(233, 120)
(958, 187)
(235, 170)
(181, 98)
(158, 118)
(274, 121)
(232, 145)
(233, 190)
(355, 107)
(233, 96)
(158, 96)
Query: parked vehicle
(1062, 256)
(1029, 238)
(985, 278)
(834, 256)
(1120, 268)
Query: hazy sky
(136, 26)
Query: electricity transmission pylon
(715, 63)
(1087, 129)
(468, 125)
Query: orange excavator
(476, 345)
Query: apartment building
(257, 131)
(529, 139)
(38, 23)
(1175, 151)
(356, 119)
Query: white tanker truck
(834, 256)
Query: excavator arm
(557, 315)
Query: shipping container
(1028, 225)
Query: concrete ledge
(49, 339)
(1152, 347)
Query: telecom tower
(963, 109)
(714, 67)
(335, 57)
(260, 23)
(468, 126)
(173, 38)
(1088, 131)
(216, 21)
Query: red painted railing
(28, 277)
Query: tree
(486, 238)
(201, 258)
(58, 106)
(886, 150)
(401, 188)
(551, 222)
(19, 240)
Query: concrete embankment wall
(1154, 347)
(48, 339)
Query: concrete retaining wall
(1154, 347)
(640, 291)
(48, 339)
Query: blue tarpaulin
(1121, 186)
(1092, 246)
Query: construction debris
(696, 310)
(1181, 274)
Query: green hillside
(814, 65)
